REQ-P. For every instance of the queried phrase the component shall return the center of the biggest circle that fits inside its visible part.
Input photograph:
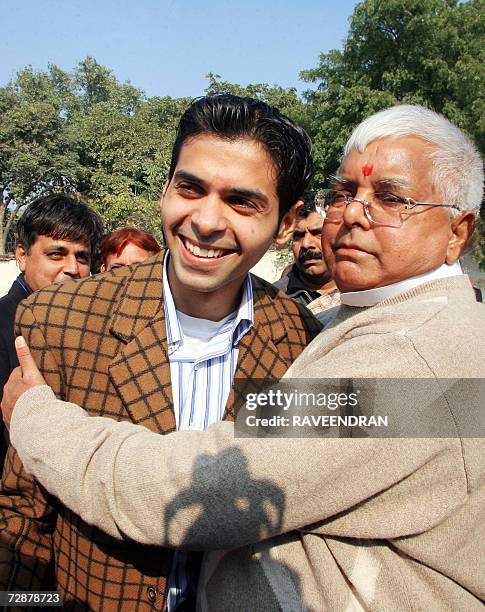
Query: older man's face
(362, 255)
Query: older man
(334, 524)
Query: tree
(430, 52)
(36, 155)
(85, 132)
(124, 143)
(286, 100)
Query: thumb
(26, 361)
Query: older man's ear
(287, 225)
(461, 234)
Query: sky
(166, 47)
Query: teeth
(196, 250)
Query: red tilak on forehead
(367, 169)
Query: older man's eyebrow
(392, 182)
(341, 180)
(183, 175)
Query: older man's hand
(21, 379)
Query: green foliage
(429, 52)
(136, 211)
(86, 132)
(36, 153)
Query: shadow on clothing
(229, 526)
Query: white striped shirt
(202, 368)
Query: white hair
(457, 164)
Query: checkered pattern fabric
(101, 343)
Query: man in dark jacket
(309, 277)
(56, 237)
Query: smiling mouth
(201, 252)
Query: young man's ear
(287, 226)
(20, 256)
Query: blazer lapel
(141, 371)
(259, 359)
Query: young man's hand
(23, 378)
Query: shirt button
(152, 593)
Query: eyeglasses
(384, 208)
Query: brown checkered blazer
(101, 343)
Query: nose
(71, 266)
(308, 242)
(208, 217)
(354, 214)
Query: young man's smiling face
(219, 215)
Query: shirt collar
(241, 325)
(23, 283)
(174, 331)
(245, 314)
(371, 297)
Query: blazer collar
(259, 358)
(141, 301)
(141, 371)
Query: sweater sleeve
(210, 490)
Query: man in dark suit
(56, 236)
(161, 343)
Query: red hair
(114, 243)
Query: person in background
(127, 246)
(56, 237)
(309, 277)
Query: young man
(55, 236)
(391, 523)
(160, 344)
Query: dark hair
(114, 243)
(309, 205)
(232, 117)
(60, 217)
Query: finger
(15, 374)
(27, 363)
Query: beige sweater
(300, 524)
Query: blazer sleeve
(27, 516)
(210, 490)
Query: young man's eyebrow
(187, 176)
(252, 194)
